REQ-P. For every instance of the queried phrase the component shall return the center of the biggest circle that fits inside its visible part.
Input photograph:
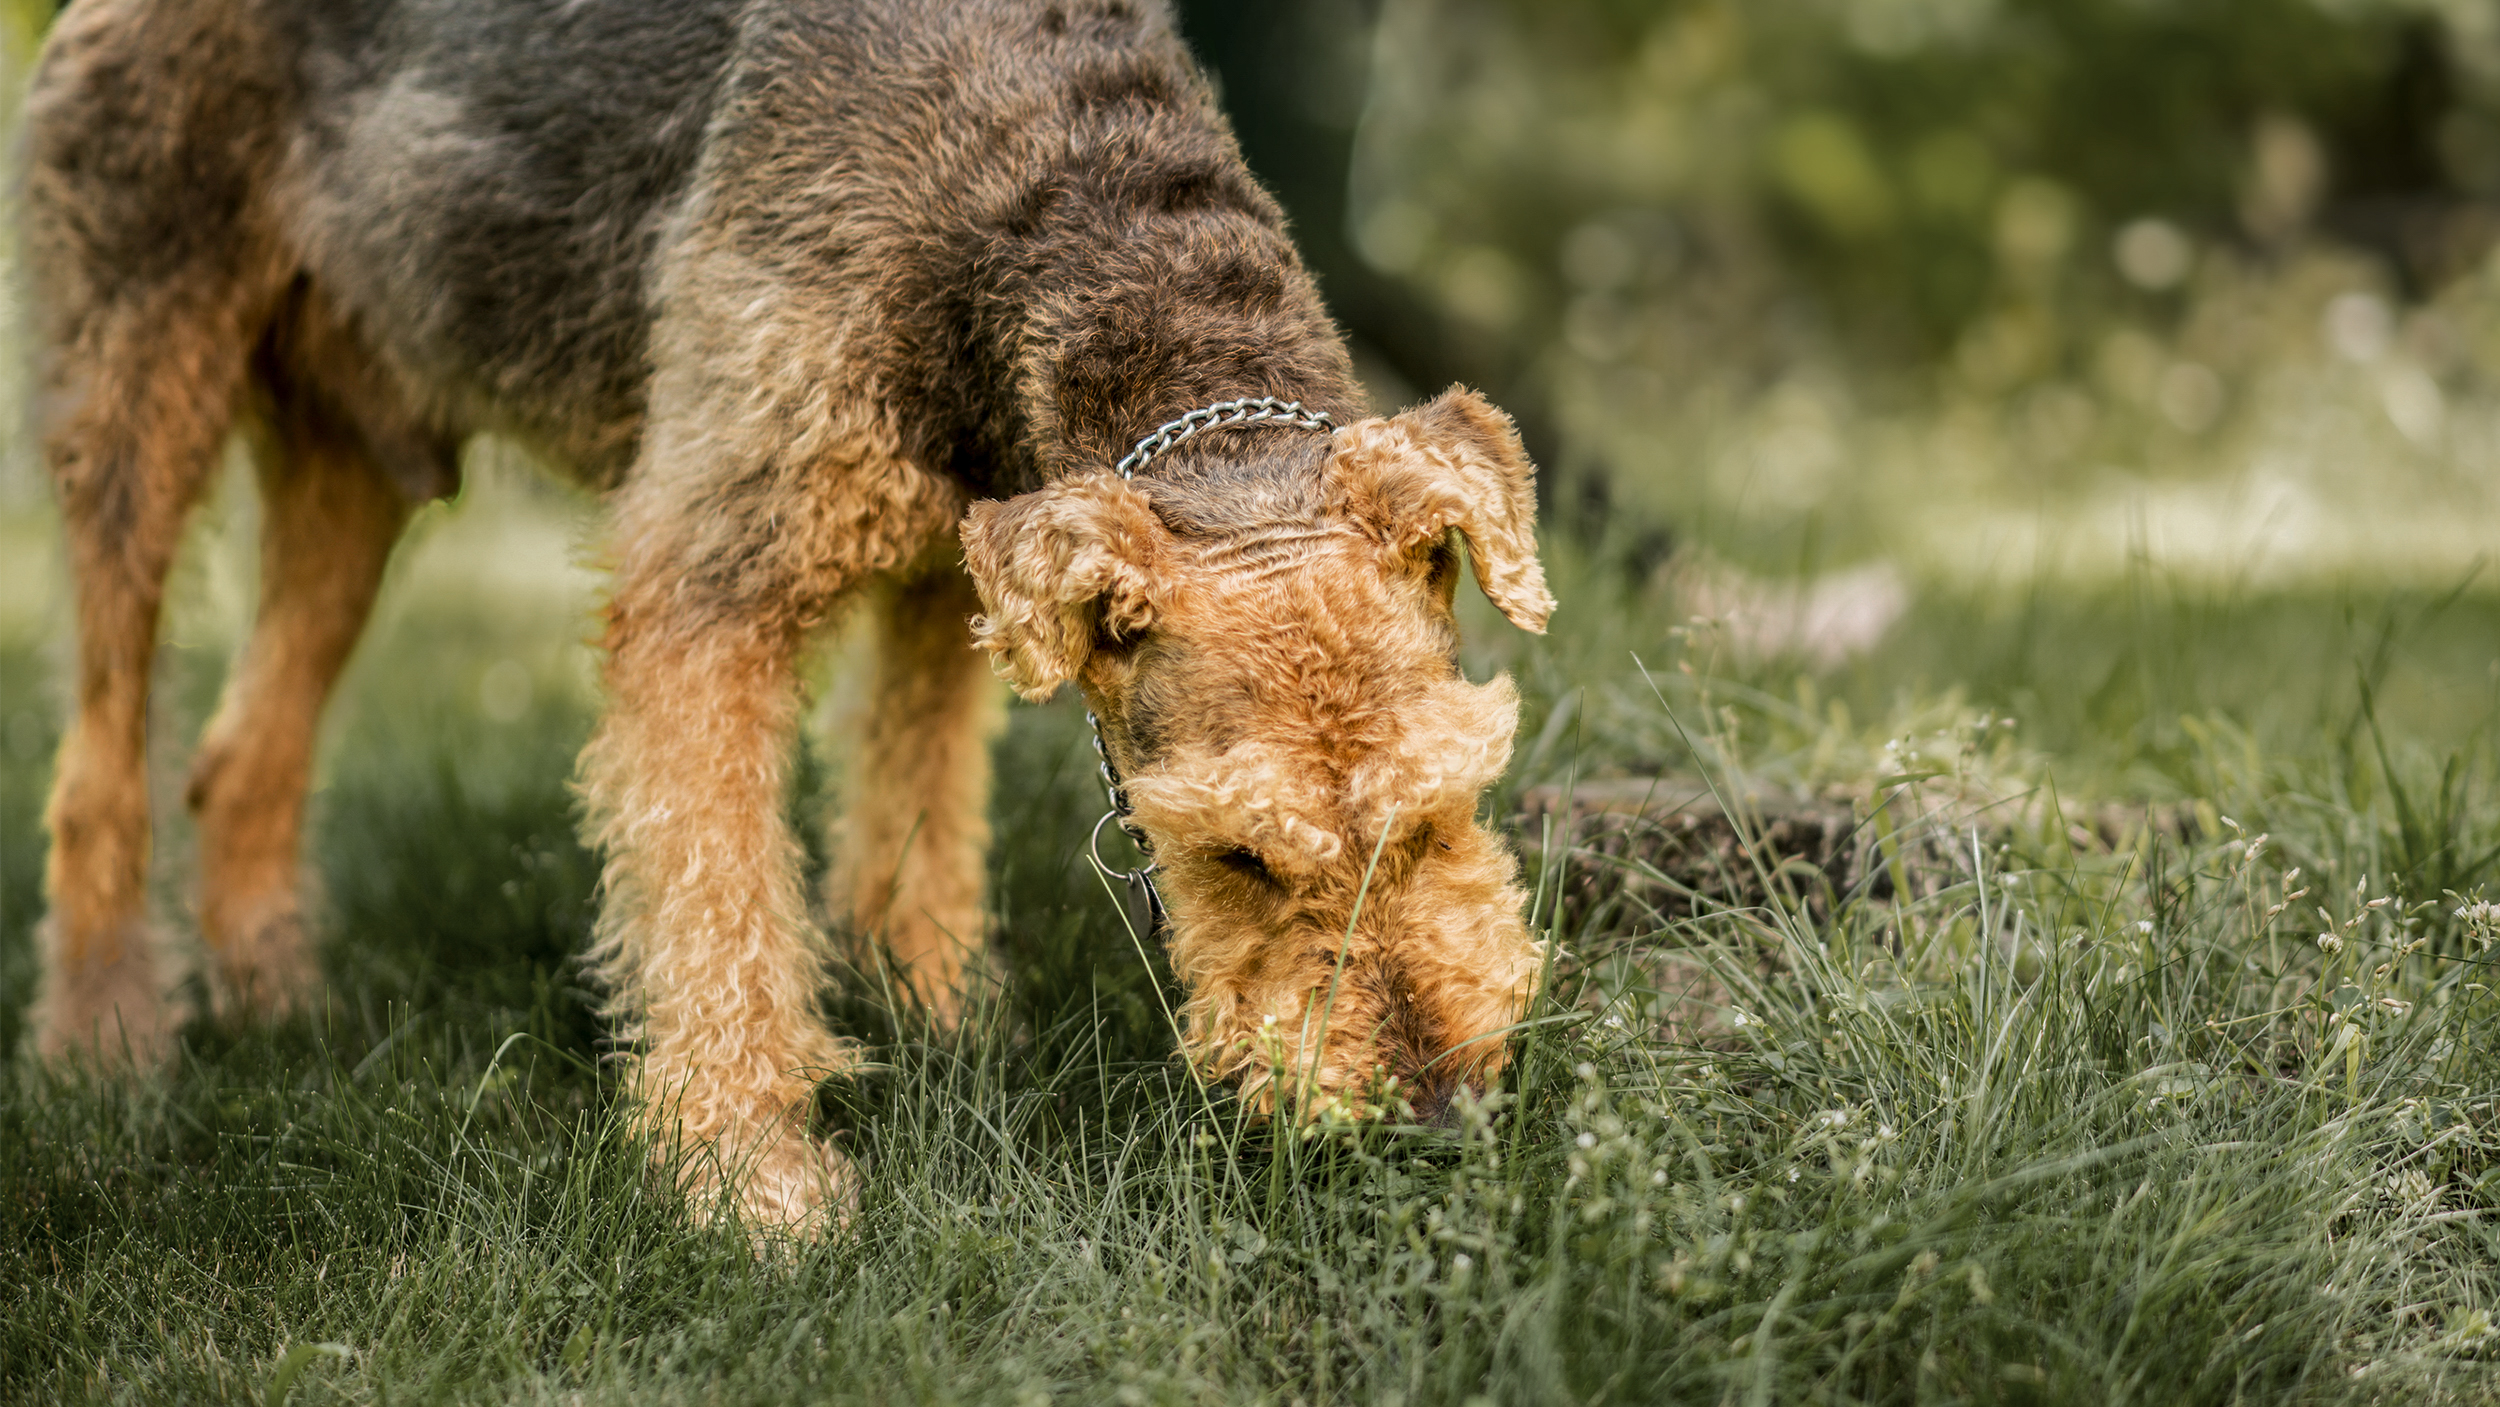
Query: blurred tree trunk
(1298, 133)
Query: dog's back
(482, 197)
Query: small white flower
(1586, 1140)
(2482, 920)
(2144, 925)
(2396, 1007)
(1740, 1018)
(1585, 1070)
(2329, 943)
(2008, 880)
(1460, 1264)
(1658, 1178)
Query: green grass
(2082, 1127)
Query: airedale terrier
(805, 289)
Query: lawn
(2065, 1099)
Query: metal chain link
(1112, 789)
(1250, 410)
(1140, 881)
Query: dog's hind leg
(151, 137)
(137, 407)
(916, 822)
(329, 517)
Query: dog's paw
(103, 999)
(778, 1183)
(800, 1186)
(265, 969)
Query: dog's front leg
(704, 938)
(916, 824)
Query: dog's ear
(1055, 568)
(1453, 462)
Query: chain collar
(1247, 411)
(1140, 881)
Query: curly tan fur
(813, 291)
(1283, 700)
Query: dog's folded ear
(1057, 568)
(1453, 462)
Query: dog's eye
(1247, 865)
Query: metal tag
(1145, 907)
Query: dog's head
(1278, 683)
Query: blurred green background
(1990, 288)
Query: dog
(844, 306)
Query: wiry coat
(796, 285)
